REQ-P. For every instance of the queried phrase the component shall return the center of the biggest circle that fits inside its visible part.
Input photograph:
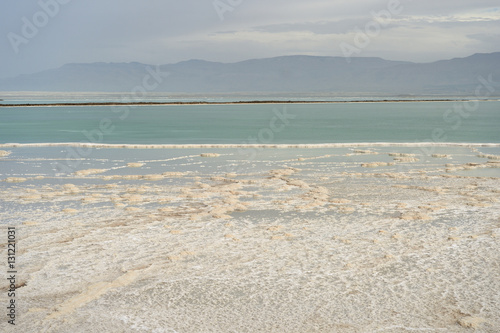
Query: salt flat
(375, 238)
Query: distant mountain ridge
(308, 74)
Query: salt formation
(414, 216)
(406, 159)
(365, 152)
(401, 155)
(15, 179)
(211, 250)
(376, 164)
(89, 172)
(135, 165)
(471, 322)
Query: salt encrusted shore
(225, 145)
(296, 240)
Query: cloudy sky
(43, 34)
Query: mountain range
(307, 74)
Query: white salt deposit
(320, 245)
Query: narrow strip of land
(236, 102)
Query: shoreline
(201, 227)
(242, 102)
(229, 145)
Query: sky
(37, 35)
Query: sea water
(476, 122)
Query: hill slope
(279, 74)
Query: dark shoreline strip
(238, 102)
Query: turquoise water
(262, 123)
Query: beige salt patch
(153, 177)
(406, 159)
(15, 180)
(135, 199)
(414, 216)
(31, 197)
(115, 199)
(136, 190)
(201, 185)
(129, 177)
(432, 207)
(275, 227)
(346, 209)
(367, 152)
(71, 188)
(49, 195)
(171, 174)
(93, 292)
(478, 204)
(440, 156)
(4, 153)
(339, 201)
(133, 209)
(199, 216)
(320, 190)
(429, 189)
(69, 211)
(89, 172)
(401, 155)
(30, 223)
(376, 164)
(490, 157)
(493, 164)
(135, 165)
(176, 232)
(282, 172)
(209, 155)
(240, 207)
(232, 237)
(298, 183)
(471, 322)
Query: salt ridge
(226, 145)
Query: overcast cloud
(160, 32)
